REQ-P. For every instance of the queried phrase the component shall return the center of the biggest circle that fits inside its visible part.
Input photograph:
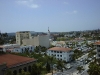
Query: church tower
(49, 33)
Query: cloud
(28, 3)
(66, 3)
(73, 12)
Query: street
(73, 70)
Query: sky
(58, 15)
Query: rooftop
(13, 60)
(97, 43)
(60, 49)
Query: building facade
(61, 53)
(42, 40)
(22, 35)
(97, 44)
(15, 48)
(15, 63)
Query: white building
(97, 44)
(16, 48)
(61, 53)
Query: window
(54, 51)
(51, 51)
(57, 51)
(98, 45)
(60, 51)
(60, 55)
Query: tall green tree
(37, 69)
(60, 65)
(94, 68)
(48, 67)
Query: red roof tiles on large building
(12, 60)
(97, 43)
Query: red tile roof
(13, 60)
(97, 43)
(60, 49)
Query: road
(73, 70)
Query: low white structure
(61, 53)
(16, 48)
(97, 44)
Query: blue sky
(58, 15)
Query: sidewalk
(51, 73)
(82, 56)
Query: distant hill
(11, 34)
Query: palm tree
(60, 65)
(48, 67)
(37, 68)
(51, 61)
(80, 68)
(94, 68)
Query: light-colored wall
(65, 55)
(22, 35)
(28, 42)
(38, 40)
(44, 41)
(17, 48)
(98, 53)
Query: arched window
(14, 72)
(29, 68)
(25, 69)
(20, 70)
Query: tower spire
(48, 32)
(48, 28)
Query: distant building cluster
(25, 38)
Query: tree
(94, 68)
(51, 61)
(24, 73)
(9, 72)
(77, 54)
(80, 68)
(37, 68)
(43, 49)
(48, 67)
(60, 65)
